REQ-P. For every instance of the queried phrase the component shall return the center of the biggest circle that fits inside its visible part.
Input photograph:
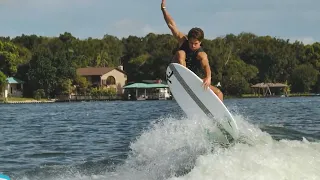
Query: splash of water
(180, 149)
(292, 160)
(169, 148)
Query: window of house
(111, 80)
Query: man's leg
(217, 92)
(180, 57)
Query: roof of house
(264, 85)
(90, 71)
(153, 81)
(145, 86)
(12, 80)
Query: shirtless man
(190, 54)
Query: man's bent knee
(217, 91)
(180, 57)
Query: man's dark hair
(196, 33)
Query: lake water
(151, 140)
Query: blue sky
(289, 19)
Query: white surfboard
(186, 88)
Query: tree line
(237, 61)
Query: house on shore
(105, 77)
(13, 87)
(270, 89)
(147, 90)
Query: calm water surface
(152, 140)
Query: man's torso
(192, 62)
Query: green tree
(303, 78)
(42, 74)
(11, 56)
(237, 76)
(82, 84)
(236, 60)
(3, 80)
(65, 86)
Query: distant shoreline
(273, 96)
(33, 101)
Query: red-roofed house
(105, 77)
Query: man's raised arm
(171, 24)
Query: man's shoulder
(183, 40)
(202, 55)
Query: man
(190, 54)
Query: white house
(109, 77)
(13, 87)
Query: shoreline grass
(20, 99)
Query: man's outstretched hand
(163, 3)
